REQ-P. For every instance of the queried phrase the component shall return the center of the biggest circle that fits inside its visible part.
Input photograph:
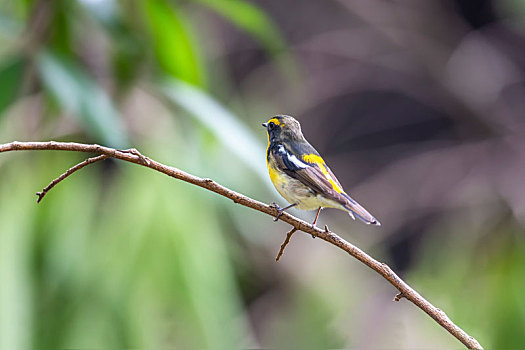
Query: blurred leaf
(10, 81)
(62, 27)
(173, 46)
(127, 50)
(223, 123)
(81, 95)
(250, 18)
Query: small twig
(382, 269)
(398, 297)
(70, 171)
(285, 243)
(289, 236)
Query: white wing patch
(292, 158)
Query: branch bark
(384, 270)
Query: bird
(301, 175)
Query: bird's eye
(271, 125)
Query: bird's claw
(275, 205)
(279, 211)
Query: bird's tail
(356, 209)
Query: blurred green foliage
(10, 81)
(120, 257)
(174, 48)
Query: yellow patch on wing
(315, 159)
(274, 120)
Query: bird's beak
(265, 125)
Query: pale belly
(295, 191)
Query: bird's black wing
(312, 171)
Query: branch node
(40, 196)
(285, 243)
(442, 313)
(143, 159)
(398, 296)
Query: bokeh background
(418, 106)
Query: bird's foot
(315, 220)
(279, 210)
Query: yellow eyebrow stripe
(274, 120)
(315, 159)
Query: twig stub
(398, 297)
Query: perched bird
(301, 176)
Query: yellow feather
(315, 159)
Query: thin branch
(70, 171)
(285, 243)
(384, 270)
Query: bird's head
(283, 128)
